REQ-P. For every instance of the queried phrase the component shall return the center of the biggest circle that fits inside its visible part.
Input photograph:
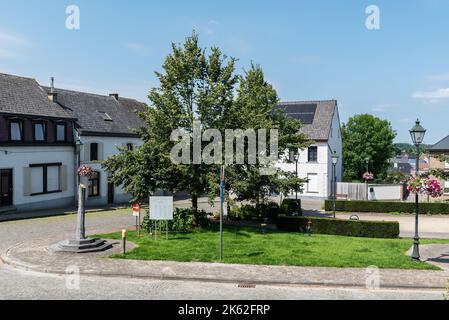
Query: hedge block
(387, 206)
(352, 228)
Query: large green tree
(199, 86)
(366, 136)
(255, 107)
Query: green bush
(388, 206)
(352, 228)
(182, 221)
(250, 212)
(288, 205)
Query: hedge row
(388, 206)
(352, 228)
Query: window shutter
(100, 151)
(86, 148)
(63, 178)
(26, 181)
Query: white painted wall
(108, 146)
(384, 192)
(20, 158)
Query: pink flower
(426, 186)
(85, 171)
(368, 176)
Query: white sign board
(161, 208)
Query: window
(313, 154)
(94, 152)
(105, 116)
(94, 184)
(61, 129)
(15, 130)
(45, 178)
(129, 146)
(40, 131)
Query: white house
(321, 123)
(39, 127)
(104, 124)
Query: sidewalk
(39, 256)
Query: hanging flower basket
(368, 176)
(425, 186)
(85, 171)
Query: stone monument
(81, 244)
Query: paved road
(15, 284)
(25, 285)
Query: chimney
(52, 95)
(114, 95)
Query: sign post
(222, 195)
(161, 208)
(136, 213)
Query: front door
(110, 192)
(5, 187)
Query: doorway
(5, 187)
(110, 192)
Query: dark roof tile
(24, 96)
(90, 110)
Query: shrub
(182, 221)
(388, 206)
(288, 206)
(352, 228)
(250, 212)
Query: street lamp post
(334, 178)
(366, 181)
(417, 134)
(78, 145)
(294, 153)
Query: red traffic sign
(136, 209)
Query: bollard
(124, 241)
(309, 228)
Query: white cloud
(305, 60)
(405, 120)
(438, 77)
(138, 48)
(382, 107)
(5, 54)
(432, 96)
(10, 45)
(12, 39)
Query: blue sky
(308, 49)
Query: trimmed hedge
(352, 228)
(387, 206)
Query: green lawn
(249, 246)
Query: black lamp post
(294, 154)
(78, 145)
(334, 178)
(366, 181)
(417, 133)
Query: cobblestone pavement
(17, 284)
